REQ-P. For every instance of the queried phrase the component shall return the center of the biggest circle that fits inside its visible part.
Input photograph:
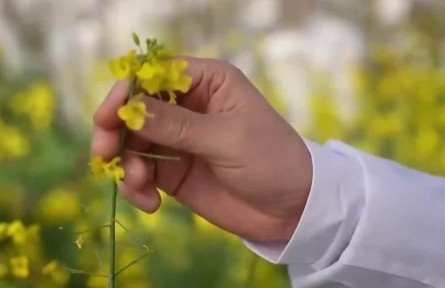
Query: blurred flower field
(50, 205)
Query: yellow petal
(183, 84)
(152, 86)
(96, 166)
(120, 68)
(136, 123)
(149, 71)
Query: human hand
(242, 167)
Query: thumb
(182, 129)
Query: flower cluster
(20, 256)
(112, 169)
(134, 113)
(156, 72)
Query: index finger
(106, 116)
(106, 134)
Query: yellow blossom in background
(20, 266)
(17, 231)
(3, 270)
(56, 272)
(112, 169)
(134, 113)
(13, 142)
(23, 235)
(58, 206)
(125, 66)
(79, 242)
(37, 103)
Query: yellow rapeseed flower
(58, 206)
(3, 270)
(97, 166)
(17, 231)
(134, 113)
(112, 169)
(79, 242)
(56, 272)
(152, 75)
(13, 143)
(125, 66)
(37, 103)
(50, 267)
(177, 79)
(19, 266)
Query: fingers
(138, 187)
(106, 115)
(182, 129)
(138, 171)
(105, 143)
(147, 198)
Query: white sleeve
(368, 222)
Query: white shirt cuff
(330, 217)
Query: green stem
(154, 156)
(112, 270)
(132, 263)
(90, 230)
(76, 271)
(113, 237)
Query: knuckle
(178, 130)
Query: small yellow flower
(97, 166)
(112, 169)
(59, 206)
(125, 66)
(17, 232)
(56, 272)
(50, 267)
(134, 113)
(79, 242)
(177, 79)
(151, 76)
(20, 266)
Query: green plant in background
(400, 108)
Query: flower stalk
(154, 72)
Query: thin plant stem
(113, 237)
(112, 270)
(89, 230)
(76, 271)
(154, 156)
(132, 263)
